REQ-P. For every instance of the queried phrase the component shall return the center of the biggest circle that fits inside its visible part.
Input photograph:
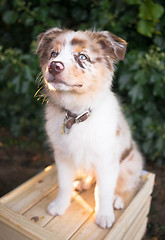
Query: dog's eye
(82, 57)
(54, 54)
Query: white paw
(57, 207)
(105, 221)
(118, 202)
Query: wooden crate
(23, 214)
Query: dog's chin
(58, 85)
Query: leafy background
(139, 80)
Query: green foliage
(140, 78)
(144, 87)
(17, 106)
(149, 14)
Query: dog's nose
(56, 67)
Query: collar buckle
(82, 117)
(71, 118)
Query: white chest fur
(91, 139)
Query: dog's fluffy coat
(101, 146)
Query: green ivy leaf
(10, 17)
(160, 144)
(157, 11)
(140, 77)
(16, 83)
(145, 11)
(149, 13)
(28, 73)
(145, 27)
(136, 93)
(147, 146)
(150, 10)
(124, 80)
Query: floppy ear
(39, 38)
(113, 45)
(46, 37)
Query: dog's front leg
(65, 181)
(104, 194)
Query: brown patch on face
(118, 131)
(103, 48)
(78, 49)
(89, 87)
(57, 46)
(78, 61)
(112, 45)
(80, 42)
(105, 45)
(99, 59)
(45, 38)
(126, 153)
(77, 72)
(45, 45)
(95, 48)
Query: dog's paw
(105, 221)
(57, 207)
(118, 202)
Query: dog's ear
(113, 45)
(39, 38)
(46, 37)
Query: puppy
(84, 122)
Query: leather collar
(72, 118)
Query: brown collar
(72, 118)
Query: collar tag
(65, 130)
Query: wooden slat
(141, 231)
(130, 234)
(79, 211)
(38, 213)
(8, 233)
(91, 231)
(124, 217)
(22, 225)
(31, 200)
(32, 191)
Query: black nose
(56, 67)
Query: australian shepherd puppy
(84, 122)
